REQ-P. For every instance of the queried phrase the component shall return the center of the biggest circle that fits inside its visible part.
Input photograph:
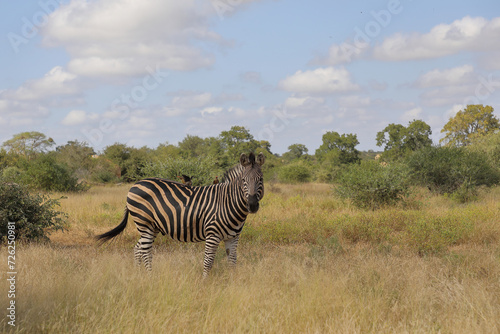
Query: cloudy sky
(150, 72)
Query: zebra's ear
(261, 159)
(244, 161)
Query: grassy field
(307, 263)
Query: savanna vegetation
(343, 242)
(307, 262)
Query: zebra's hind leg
(143, 248)
(138, 254)
(231, 246)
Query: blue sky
(145, 73)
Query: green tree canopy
(130, 159)
(234, 142)
(399, 140)
(193, 146)
(295, 151)
(28, 144)
(474, 121)
(339, 149)
(76, 155)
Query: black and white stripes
(212, 214)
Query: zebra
(211, 213)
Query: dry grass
(331, 283)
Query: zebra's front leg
(211, 246)
(231, 246)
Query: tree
(340, 149)
(418, 135)
(130, 159)
(28, 144)
(236, 141)
(474, 121)
(45, 173)
(399, 140)
(393, 138)
(295, 151)
(193, 146)
(77, 156)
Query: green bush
(12, 174)
(327, 172)
(104, 170)
(202, 170)
(372, 185)
(452, 170)
(296, 172)
(33, 215)
(488, 145)
(45, 173)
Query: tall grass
(307, 263)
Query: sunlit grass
(307, 263)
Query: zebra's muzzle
(253, 204)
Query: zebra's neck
(232, 174)
(235, 197)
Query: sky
(150, 72)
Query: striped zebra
(212, 213)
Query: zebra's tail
(114, 232)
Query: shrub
(489, 145)
(34, 215)
(202, 170)
(296, 172)
(12, 174)
(104, 171)
(371, 185)
(452, 170)
(45, 173)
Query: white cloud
(192, 101)
(446, 95)
(78, 117)
(342, 53)
(321, 81)
(354, 101)
(238, 112)
(444, 87)
(122, 37)
(56, 83)
(304, 102)
(211, 111)
(472, 34)
(453, 76)
(412, 114)
(32, 101)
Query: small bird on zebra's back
(214, 213)
(216, 180)
(185, 180)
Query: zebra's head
(252, 180)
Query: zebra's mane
(231, 173)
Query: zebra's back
(171, 207)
